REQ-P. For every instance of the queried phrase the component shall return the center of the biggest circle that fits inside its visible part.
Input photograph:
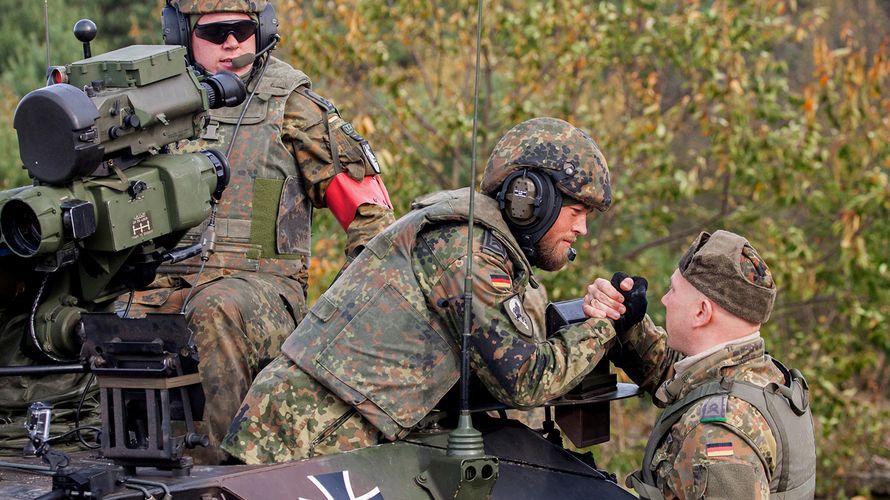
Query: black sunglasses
(219, 32)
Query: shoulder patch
(370, 156)
(714, 409)
(353, 134)
(723, 449)
(518, 316)
(317, 99)
(492, 246)
(349, 130)
(500, 281)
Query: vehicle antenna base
(465, 440)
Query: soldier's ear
(704, 314)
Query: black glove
(634, 301)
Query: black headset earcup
(521, 200)
(175, 27)
(267, 31)
(529, 228)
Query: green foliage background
(764, 117)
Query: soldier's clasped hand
(623, 300)
(604, 301)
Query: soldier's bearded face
(554, 246)
(215, 57)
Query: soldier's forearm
(529, 373)
(644, 355)
(369, 220)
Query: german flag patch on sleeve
(720, 449)
(501, 281)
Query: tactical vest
(786, 409)
(265, 217)
(372, 340)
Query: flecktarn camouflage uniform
(380, 348)
(734, 433)
(390, 327)
(252, 293)
(737, 423)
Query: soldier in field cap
(736, 422)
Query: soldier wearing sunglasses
(289, 152)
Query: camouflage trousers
(239, 322)
(287, 415)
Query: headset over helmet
(539, 166)
(178, 27)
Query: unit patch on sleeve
(714, 409)
(370, 156)
(517, 315)
(492, 246)
(349, 130)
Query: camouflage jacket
(281, 165)
(720, 443)
(384, 338)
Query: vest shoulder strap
(671, 415)
(764, 399)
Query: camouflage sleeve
(644, 355)
(714, 461)
(369, 220)
(514, 367)
(305, 131)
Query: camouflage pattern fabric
(408, 375)
(208, 6)
(287, 415)
(239, 323)
(644, 355)
(510, 353)
(564, 151)
(729, 271)
(737, 450)
(281, 165)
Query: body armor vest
(264, 218)
(372, 340)
(786, 409)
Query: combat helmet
(177, 25)
(208, 6)
(537, 167)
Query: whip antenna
(466, 440)
(46, 32)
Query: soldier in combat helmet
(292, 152)
(737, 423)
(379, 349)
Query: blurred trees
(765, 117)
